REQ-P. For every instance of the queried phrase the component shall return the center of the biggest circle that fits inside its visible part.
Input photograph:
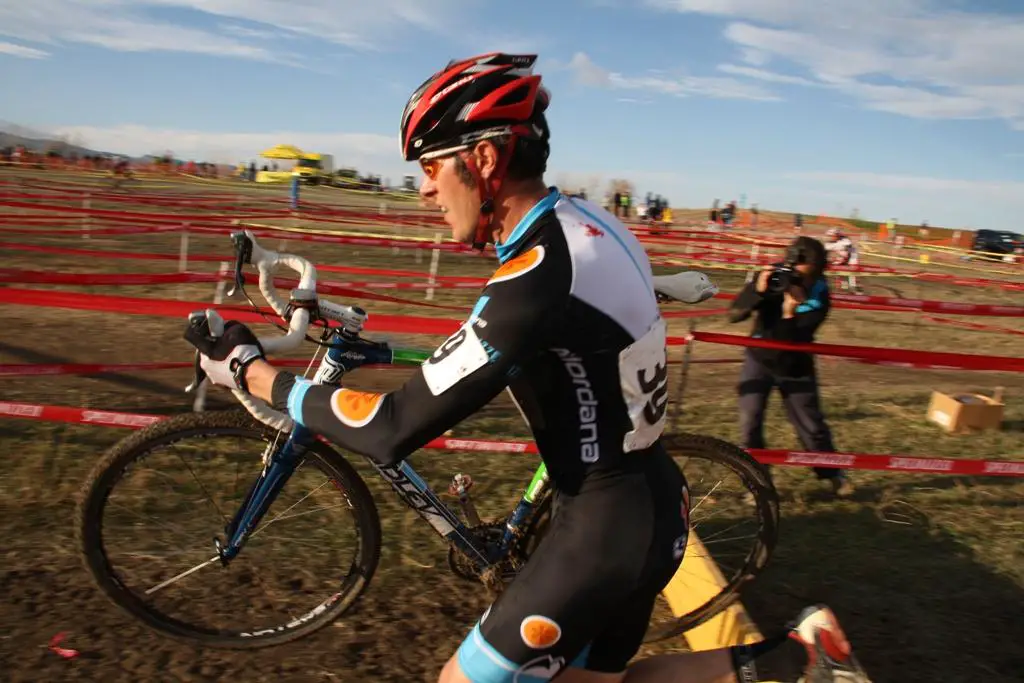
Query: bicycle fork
(278, 469)
(347, 353)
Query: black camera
(781, 277)
(802, 250)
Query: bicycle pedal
(220, 551)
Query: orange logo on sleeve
(355, 408)
(520, 265)
(540, 632)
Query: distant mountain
(12, 135)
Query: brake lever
(243, 255)
(200, 375)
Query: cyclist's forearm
(259, 377)
(385, 427)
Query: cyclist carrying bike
(569, 322)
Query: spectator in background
(728, 213)
(655, 209)
(792, 315)
(843, 253)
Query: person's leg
(803, 407)
(576, 583)
(829, 656)
(754, 387)
(607, 658)
(623, 631)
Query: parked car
(998, 243)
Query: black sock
(743, 656)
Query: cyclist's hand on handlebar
(225, 349)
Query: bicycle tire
(766, 502)
(110, 470)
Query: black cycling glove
(225, 349)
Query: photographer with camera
(790, 300)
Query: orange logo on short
(540, 632)
(355, 408)
(520, 265)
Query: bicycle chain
(494, 575)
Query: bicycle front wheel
(153, 505)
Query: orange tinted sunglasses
(431, 167)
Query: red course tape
(899, 357)
(892, 463)
(445, 326)
(377, 322)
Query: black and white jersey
(844, 251)
(569, 322)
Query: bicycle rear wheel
(734, 522)
(152, 506)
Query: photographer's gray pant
(802, 404)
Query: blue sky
(911, 109)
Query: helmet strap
(488, 191)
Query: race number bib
(643, 375)
(459, 356)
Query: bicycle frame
(347, 353)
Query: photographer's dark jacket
(769, 324)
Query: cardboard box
(966, 412)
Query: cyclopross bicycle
(167, 546)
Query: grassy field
(926, 571)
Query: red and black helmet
(472, 99)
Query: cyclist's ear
(486, 154)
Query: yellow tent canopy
(283, 152)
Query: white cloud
(118, 26)
(763, 75)
(140, 25)
(355, 24)
(915, 102)
(21, 51)
(247, 33)
(911, 57)
(754, 57)
(586, 72)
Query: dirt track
(913, 592)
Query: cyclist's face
(458, 200)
